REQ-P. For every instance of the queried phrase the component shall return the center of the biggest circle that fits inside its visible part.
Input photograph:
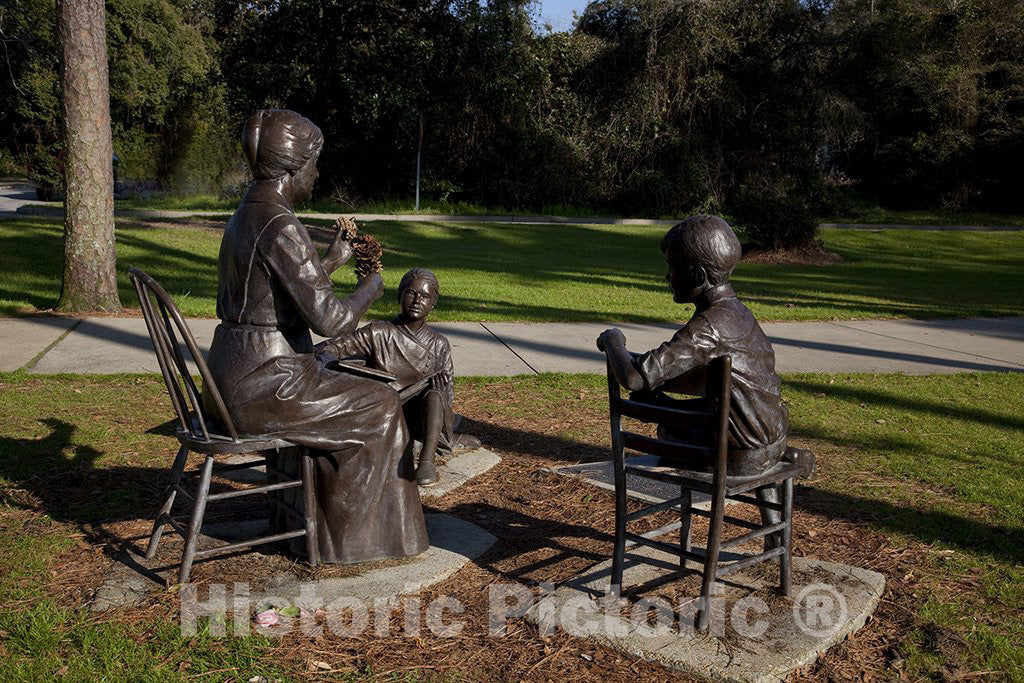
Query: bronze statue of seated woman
(273, 291)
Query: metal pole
(419, 148)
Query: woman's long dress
(272, 291)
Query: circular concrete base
(453, 543)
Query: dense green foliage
(167, 105)
(166, 95)
(769, 110)
(929, 100)
(30, 109)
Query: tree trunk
(90, 276)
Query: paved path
(18, 199)
(14, 196)
(116, 345)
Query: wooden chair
(214, 438)
(674, 462)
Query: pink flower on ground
(267, 618)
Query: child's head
(417, 294)
(701, 252)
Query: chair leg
(770, 493)
(711, 560)
(177, 469)
(196, 523)
(276, 519)
(684, 531)
(786, 558)
(309, 498)
(619, 554)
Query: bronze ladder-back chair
(670, 465)
(196, 432)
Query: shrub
(773, 219)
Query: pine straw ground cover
(920, 479)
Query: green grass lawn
(935, 465)
(862, 211)
(869, 212)
(498, 272)
(932, 460)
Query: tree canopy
(770, 110)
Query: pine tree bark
(90, 276)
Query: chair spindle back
(712, 420)
(166, 324)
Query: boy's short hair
(705, 241)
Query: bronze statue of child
(701, 253)
(420, 359)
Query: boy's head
(701, 253)
(417, 294)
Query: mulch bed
(549, 528)
(812, 254)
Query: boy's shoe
(802, 457)
(465, 442)
(426, 473)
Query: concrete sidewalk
(121, 345)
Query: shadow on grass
(180, 270)
(62, 476)
(929, 525)
(935, 275)
(544, 544)
(526, 536)
(930, 406)
(32, 260)
(526, 443)
(62, 480)
(968, 535)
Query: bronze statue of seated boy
(701, 253)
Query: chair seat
(220, 444)
(663, 469)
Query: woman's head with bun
(277, 142)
